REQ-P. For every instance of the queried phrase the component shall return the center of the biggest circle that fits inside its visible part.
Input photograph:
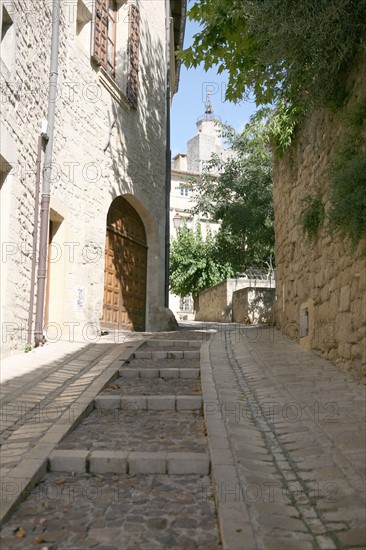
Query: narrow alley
(213, 436)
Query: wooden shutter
(133, 54)
(100, 33)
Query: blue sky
(188, 103)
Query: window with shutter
(112, 35)
(100, 43)
(133, 54)
(115, 48)
(105, 33)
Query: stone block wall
(103, 148)
(216, 303)
(213, 304)
(324, 277)
(253, 305)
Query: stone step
(169, 344)
(187, 354)
(165, 372)
(120, 462)
(137, 403)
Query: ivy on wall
(346, 217)
(312, 216)
(347, 214)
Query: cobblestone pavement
(291, 469)
(296, 426)
(175, 512)
(144, 431)
(141, 386)
(113, 512)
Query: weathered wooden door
(125, 269)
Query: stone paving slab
(122, 462)
(161, 402)
(159, 364)
(22, 366)
(162, 355)
(116, 512)
(200, 332)
(295, 429)
(179, 344)
(165, 373)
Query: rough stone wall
(215, 303)
(253, 305)
(323, 276)
(103, 148)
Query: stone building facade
(185, 167)
(108, 169)
(320, 286)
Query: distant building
(186, 166)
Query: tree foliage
(240, 197)
(278, 49)
(194, 265)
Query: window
(184, 191)
(112, 36)
(100, 42)
(133, 54)
(7, 38)
(186, 304)
(108, 43)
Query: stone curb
(167, 373)
(33, 465)
(149, 402)
(233, 518)
(102, 462)
(179, 354)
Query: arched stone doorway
(125, 269)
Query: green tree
(193, 263)
(240, 198)
(278, 49)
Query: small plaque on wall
(304, 322)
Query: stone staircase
(148, 421)
(133, 472)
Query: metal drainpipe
(168, 155)
(47, 170)
(35, 240)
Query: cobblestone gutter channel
(134, 474)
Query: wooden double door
(125, 269)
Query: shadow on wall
(137, 152)
(260, 305)
(140, 135)
(253, 305)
